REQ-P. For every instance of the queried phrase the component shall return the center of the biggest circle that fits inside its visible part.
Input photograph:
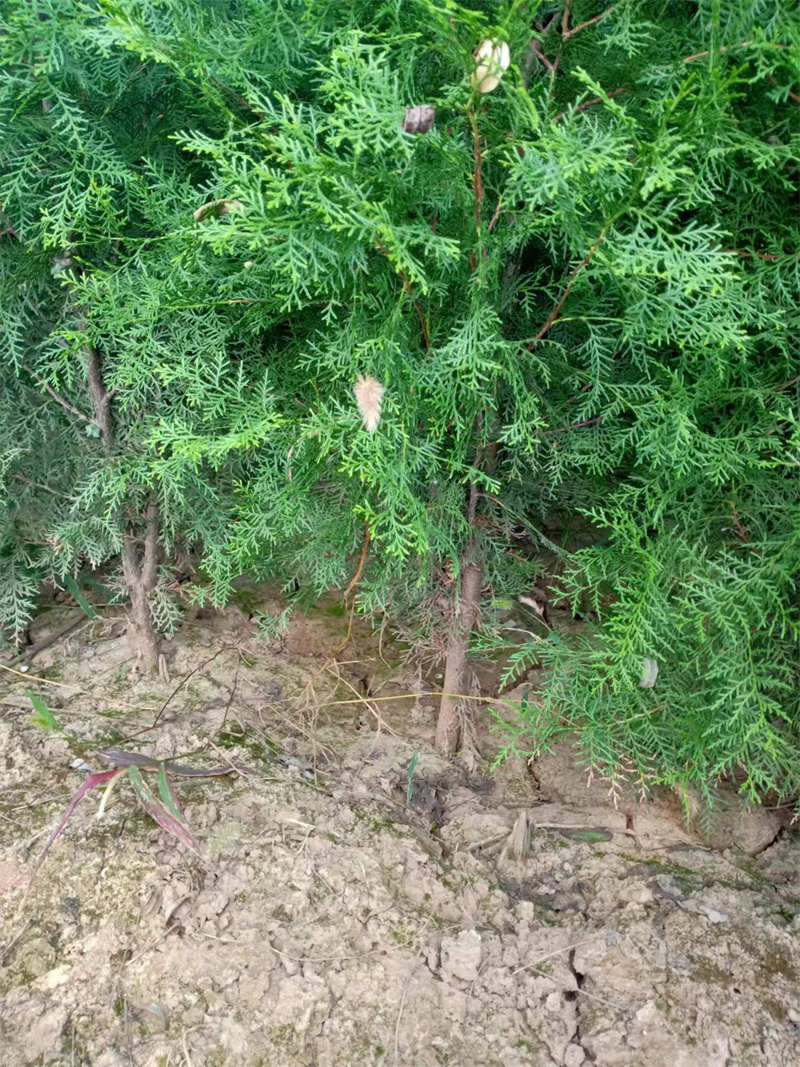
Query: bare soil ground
(360, 901)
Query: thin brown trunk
(101, 398)
(448, 727)
(466, 604)
(140, 567)
(139, 556)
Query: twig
(400, 1014)
(45, 488)
(576, 425)
(557, 952)
(410, 293)
(589, 103)
(565, 20)
(64, 403)
(476, 846)
(791, 95)
(361, 700)
(238, 97)
(567, 33)
(232, 693)
(578, 826)
(496, 214)
(601, 1000)
(12, 944)
(477, 177)
(729, 48)
(739, 527)
(422, 693)
(40, 646)
(36, 678)
(361, 563)
(285, 955)
(181, 684)
(789, 384)
(551, 318)
(347, 636)
(552, 67)
(770, 256)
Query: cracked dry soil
(509, 920)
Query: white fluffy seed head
(369, 397)
(492, 60)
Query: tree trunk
(140, 568)
(142, 635)
(139, 561)
(448, 727)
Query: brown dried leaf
(419, 119)
(217, 208)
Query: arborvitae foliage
(575, 297)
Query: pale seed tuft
(369, 397)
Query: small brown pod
(419, 119)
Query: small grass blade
(412, 766)
(79, 598)
(44, 716)
(167, 793)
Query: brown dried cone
(419, 119)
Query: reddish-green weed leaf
(91, 782)
(168, 822)
(160, 814)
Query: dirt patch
(360, 900)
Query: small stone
(461, 956)
(37, 957)
(525, 910)
(574, 1056)
(58, 976)
(155, 1017)
(716, 916)
(553, 1003)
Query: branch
(39, 485)
(409, 292)
(552, 67)
(771, 256)
(60, 400)
(496, 215)
(577, 425)
(589, 103)
(565, 20)
(101, 399)
(238, 97)
(361, 563)
(149, 569)
(740, 529)
(729, 48)
(567, 33)
(477, 177)
(551, 318)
